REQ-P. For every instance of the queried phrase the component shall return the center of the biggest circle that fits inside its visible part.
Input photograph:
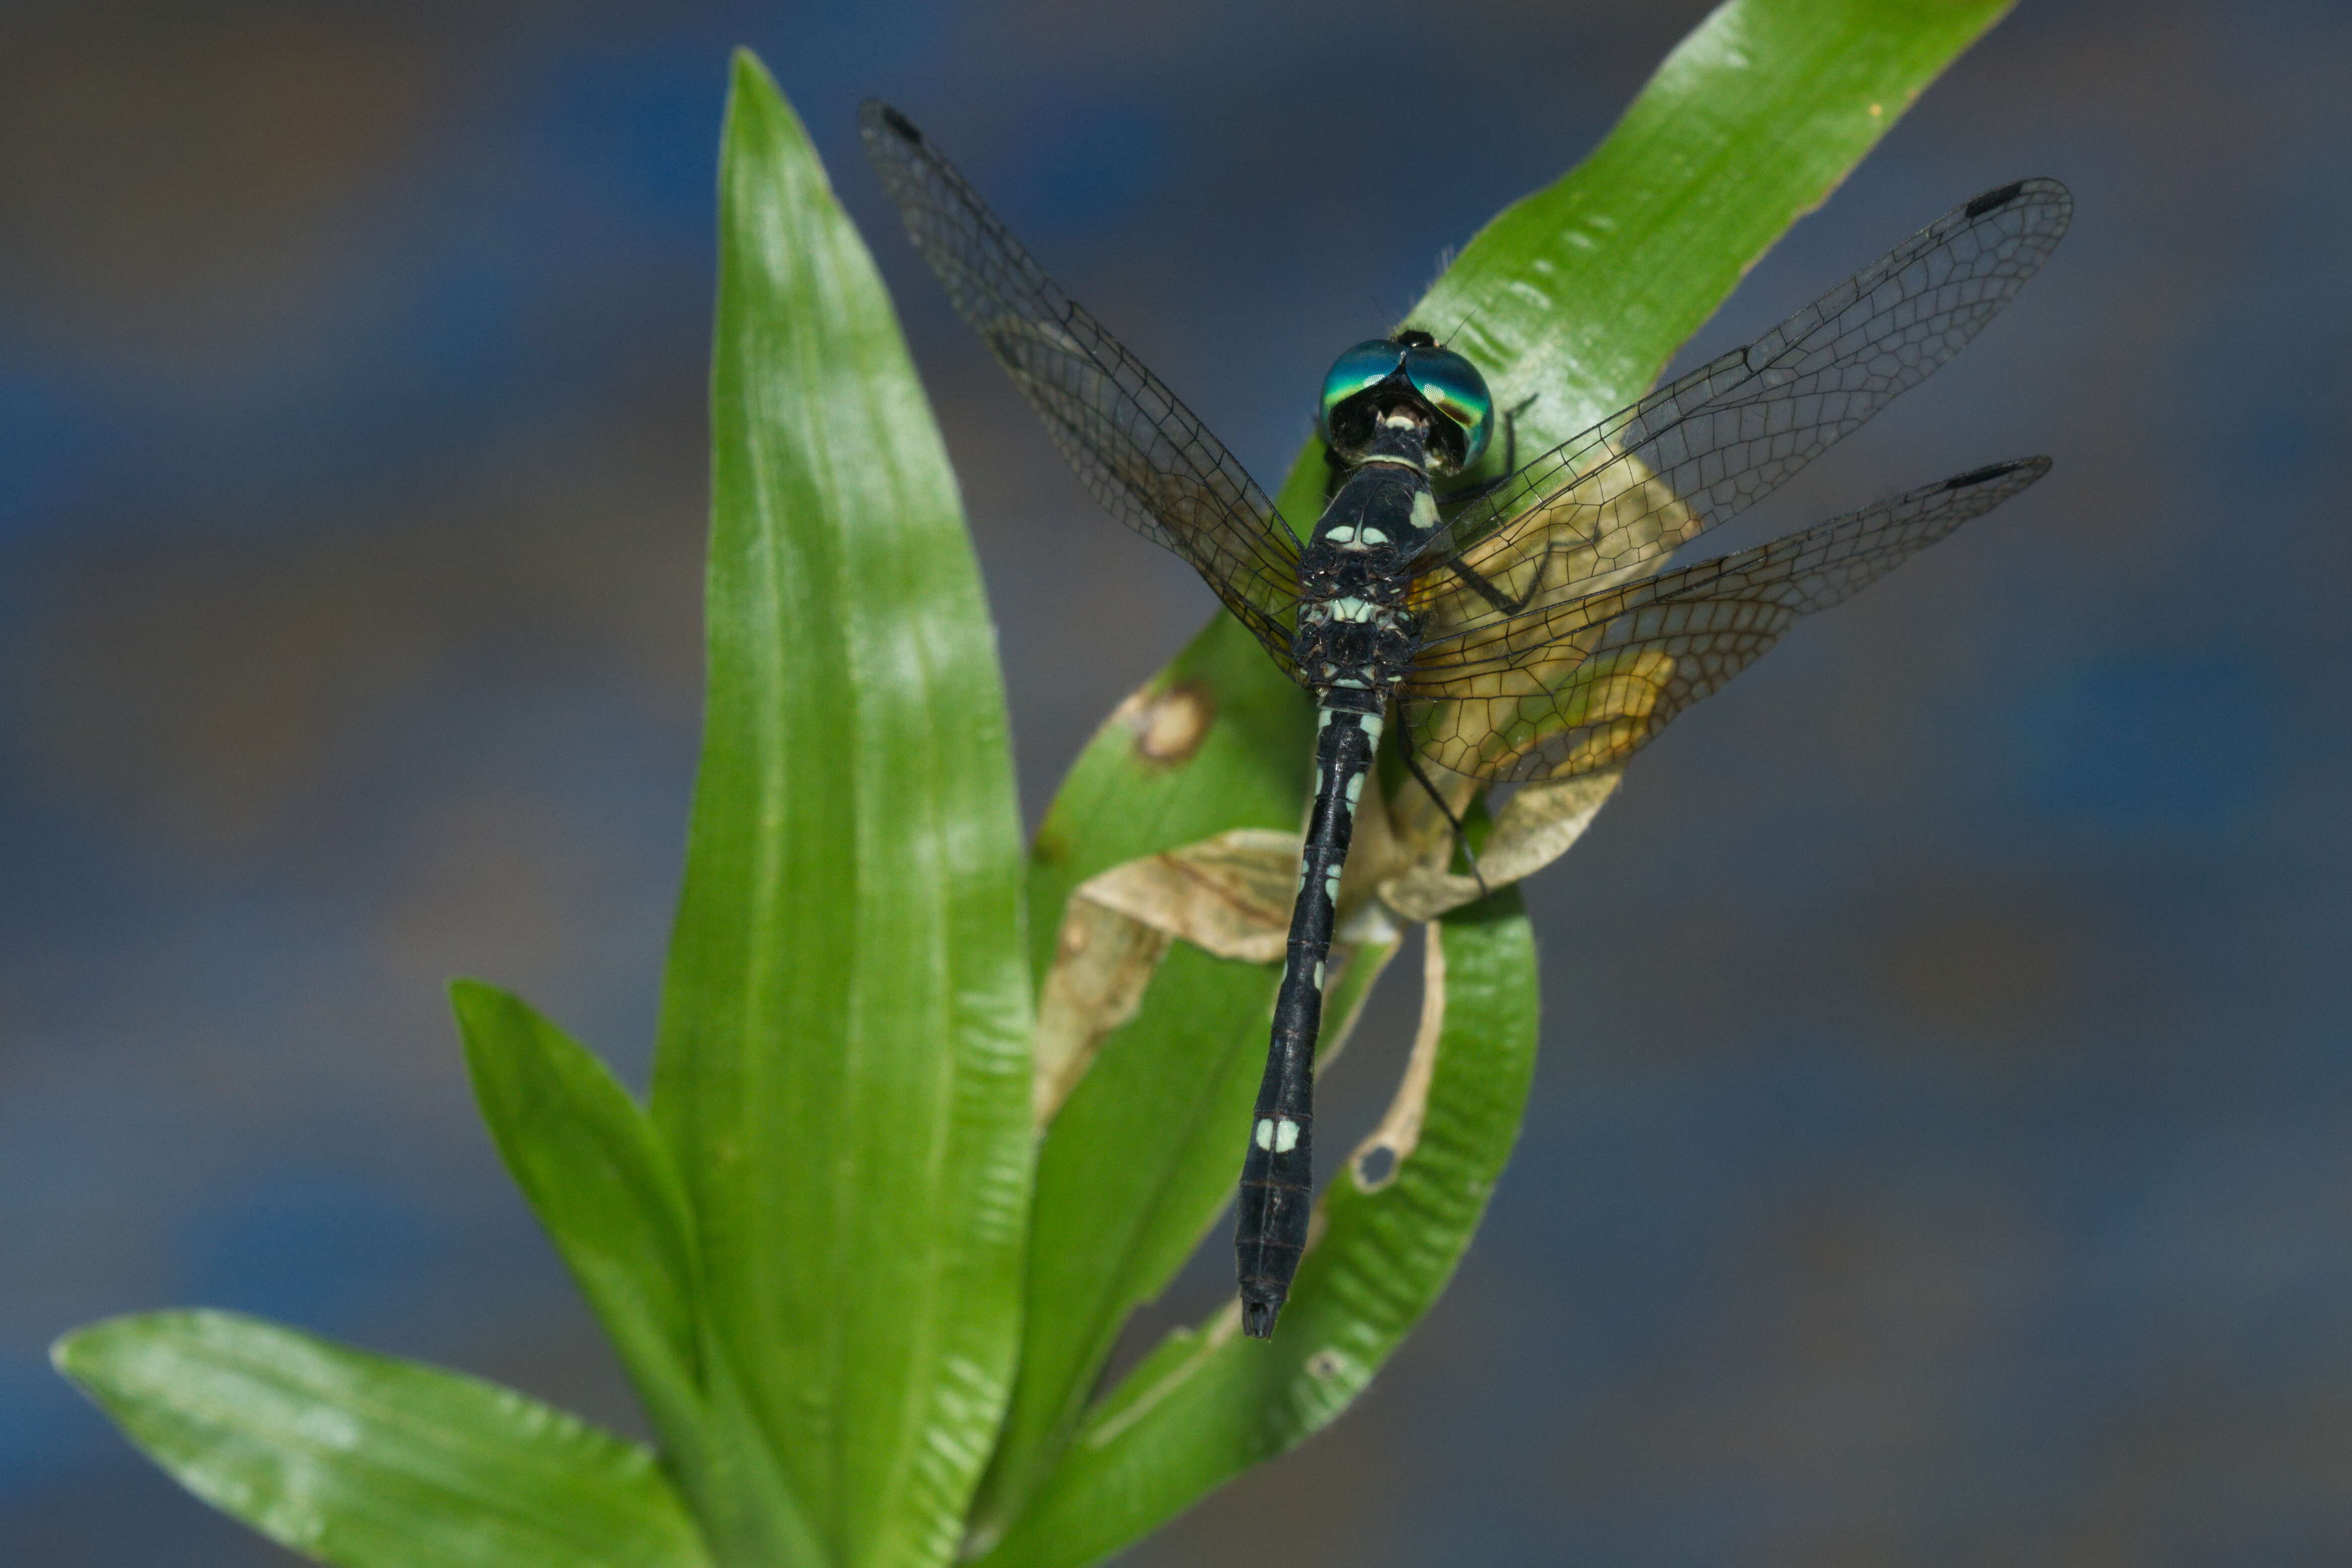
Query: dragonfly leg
(1461, 834)
(1484, 586)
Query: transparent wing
(1627, 492)
(1137, 449)
(1577, 687)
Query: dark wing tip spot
(877, 112)
(1991, 471)
(1994, 200)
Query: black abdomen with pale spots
(1277, 1171)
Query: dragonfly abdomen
(1277, 1169)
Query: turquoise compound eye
(1451, 385)
(1361, 368)
(1447, 384)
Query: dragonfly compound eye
(1347, 424)
(1409, 365)
(1452, 386)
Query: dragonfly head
(1376, 376)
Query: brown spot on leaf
(1169, 723)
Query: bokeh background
(1942, 1151)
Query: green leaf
(370, 1462)
(601, 1182)
(1577, 296)
(1207, 1405)
(842, 1075)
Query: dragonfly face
(1378, 375)
(1511, 634)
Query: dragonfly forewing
(1137, 449)
(1698, 451)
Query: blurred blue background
(1942, 1151)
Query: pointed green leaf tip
(370, 1462)
(842, 1069)
(600, 1180)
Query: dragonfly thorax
(1355, 635)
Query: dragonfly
(1504, 627)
